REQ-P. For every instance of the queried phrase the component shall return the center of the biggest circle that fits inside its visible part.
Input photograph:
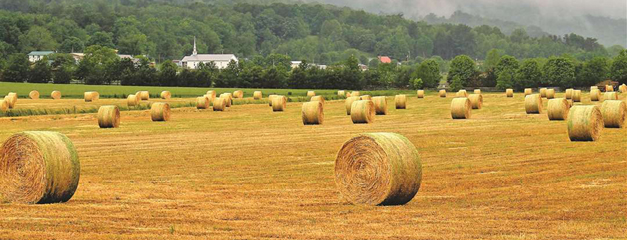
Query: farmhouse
(220, 60)
(38, 55)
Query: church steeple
(195, 52)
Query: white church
(220, 60)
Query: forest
(263, 35)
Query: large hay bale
(584, 123)
(365, 97)
(558, 109)
(610, 96)
(257, 95)
(609, 88)
(348, 103)
(550, 93)
(380, 105)
(576, 95)
(509, 92)
(462, 93)
(363, 111)
(341, 93)
(311, 93)
(166, 95)
(33, 95)
(109, 116)
(569, 93)
(160, 112)
(55, 95)
(348, 94)
(144, 95)
(594, 87)
(211, 95)
(38, 167)
(219, 104)
(442, 93)
(279, 103)
(313, 113)
(318, 98)
(622, 88)
(476, 101)
(228, 97)
(595, 95)
(613, 112)
(132, 100)
(460, 108)
(420, 93)
(355, 94)
(238, 94)
(202, 102)
(11, 99)
(4, 105)
(89, 96)
(477, 91)
(378, 169)
(270, 97)
(533, 104)
(400, 101)
(528, 91)
(543, 92)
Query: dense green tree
(506, 63)
(17, 68)
(167, 74)
(40, 72)
(528, 75)
(618, 71)
(492, 59)
(505, 79)
(463, 67)
(429, 72)
(101, 38)
(594, 71)
(37, 39)
(72, 45)
(559, 71)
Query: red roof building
(385, 59)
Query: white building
(220, 60)
(38, 55)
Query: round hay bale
(4, 105)
(460, 108)
(609, 88)
(461, 93)
(202, 102)
(613, 112)
(622, 88)
(442, 93)
(341, 93)
(509, 92)
(109, 116)
(211, 95)
(270, 97)
(56, 95)
(533, 104)
(550, 93)
(401, 101)
(219, 104)
(89, 96)
(584, 123)
(420, 93)
(313, 113)
(38, 167)
(380, 105)
(477, 91)
(476, 101)
(558, 109)
(355, 94)
(238, 94)
(144, 95)
(279, 103)
(595, 95)
(610, 96)
(228, 97)
(362, 111)
(166, 95)
(594, 87)
(366, 97)
(348, 103)
(257, 95)
(318, 98)
(378, 169)
(33, 95)
(348, 94)
(132, 100)
(569, 93)
(311, 93)
(528, 91)
(11, 99)
(576, 95)
(160, 112)
(543, 92)
(96, 96)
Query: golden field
(253, 173)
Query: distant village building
(295, 64)
(38, 55)
(363, 67)
(220, 60)
(385, 59)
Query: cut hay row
(558, 109)
(109, 117)
(313, 113)
(533, 104)
(550, 93)
(363, 111)
(509, 92)
(613, 112)
(202, 102)
(420, 93)
(380, 105)
(219, 104)
(160, 112)
(132, 100)
(576, 96)
(279, 103)
(460, 108)
(166, 95)
(400, 101)
(584, 123)
(38, 167)
(442, 93)
(257, 95)
(348, 103)
(595, 95)
(33, 94)
(476, 101)
(528, 91)
(387, 163)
